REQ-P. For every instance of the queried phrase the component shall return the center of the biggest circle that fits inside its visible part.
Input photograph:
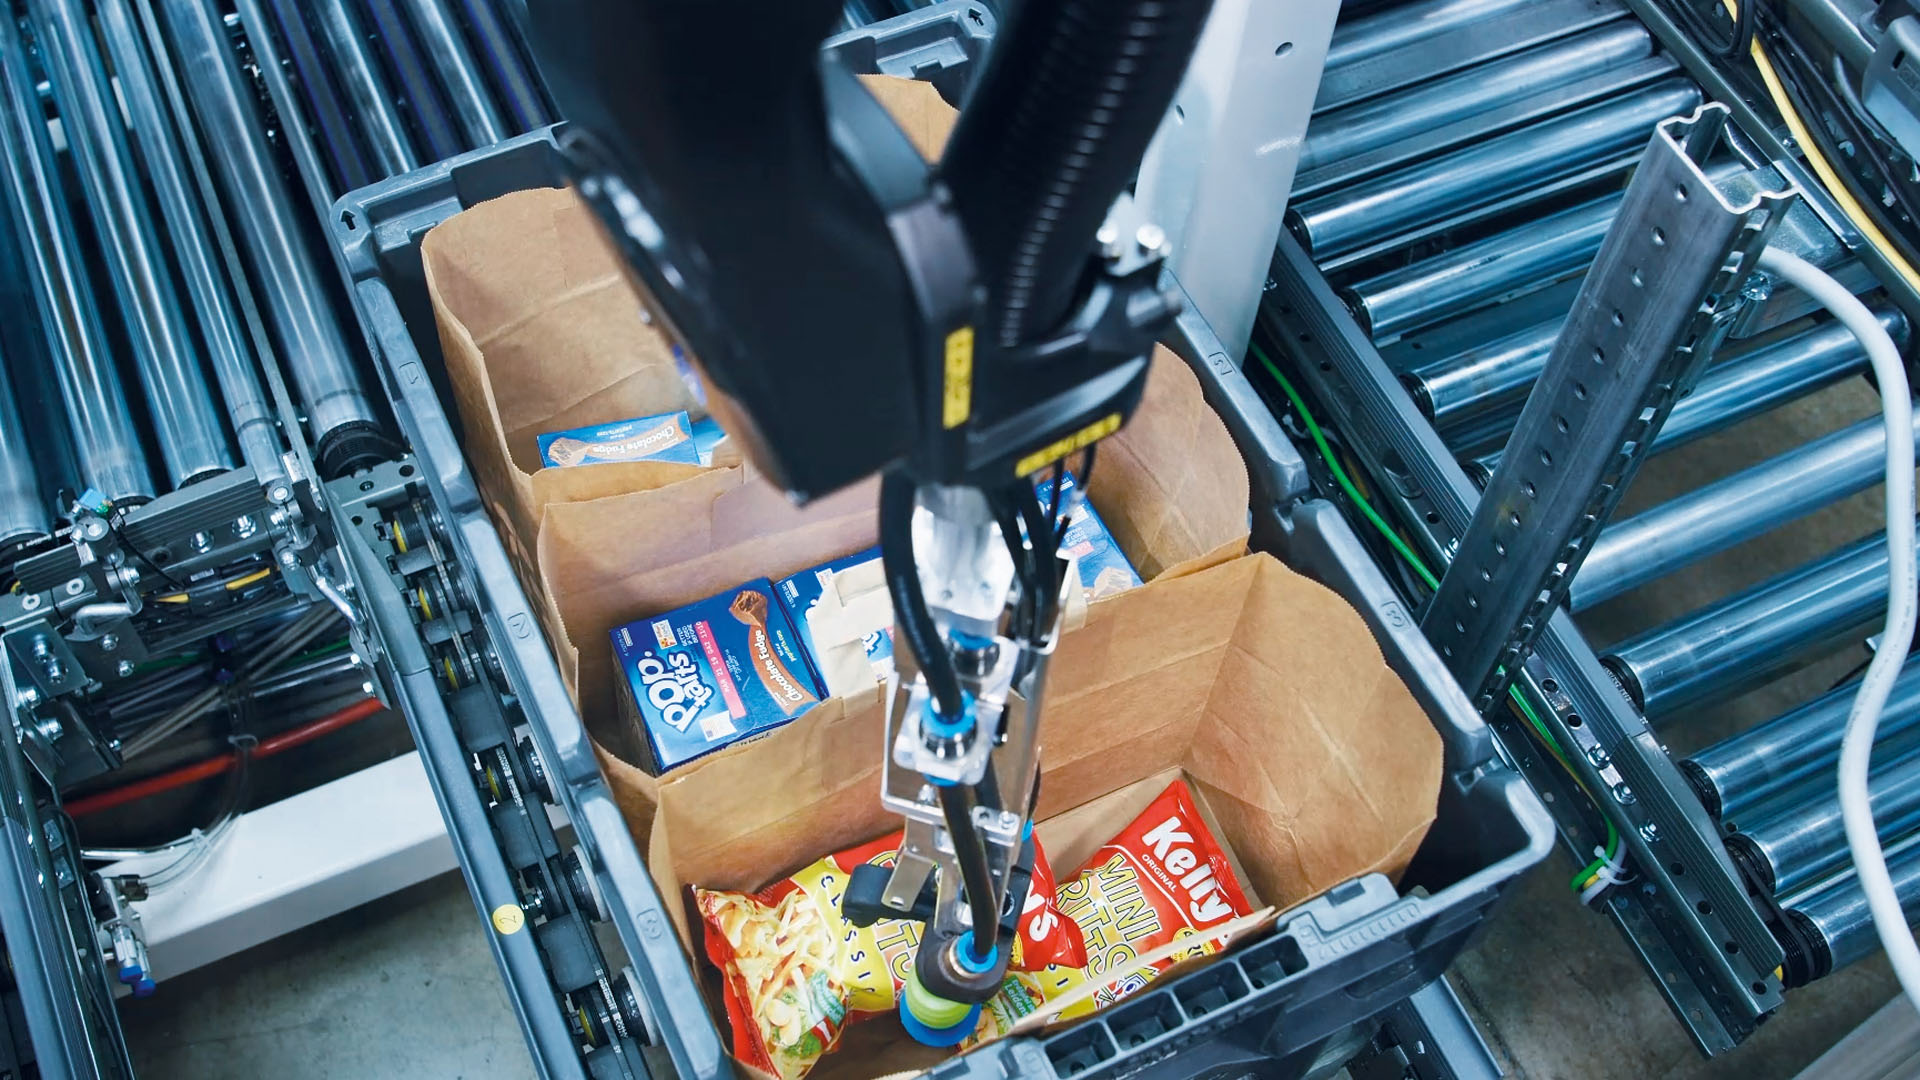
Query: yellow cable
(1854, 211)
(241, 583)
(176, 598)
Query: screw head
(30, 601)
(93, 528)
(1109, 240)
(1650, 833)
(244, 526)
(1598, 755)
(125, 669)
(1151, 238)
(75, 586)
(1623, 794)
(288, 558)
(367, 688)
(200, 542)
(109, 642)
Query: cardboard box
(1311, 760)
(542, 332)
(836, 604)
(667, 437)
(542, 329)
(1103, 567)
(713, 674)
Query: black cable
(1726, 45)
(970, 851)
(1040, 526)
(910, 614)
(1843, 84)
(113, 524)
(1803, 82)
(1025, 567)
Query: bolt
(28, 696)
(1598, 755)
(244, 526)
(288, 557)
(355, 660)
(49, 663)
(125, 669)
(1151, 238)
(278, 493)
(200, 542)
(49, 728)
(1650, 833)
(109, 642)
(1623, 794)
(367, 688)
(1109, 240)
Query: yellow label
(957, 404)
(1079, 440)
(508, 918)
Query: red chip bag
(797, 973)
(1163, 879)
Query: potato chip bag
(1163, 879)
(797, 972)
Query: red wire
(220, 763)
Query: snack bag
(797, 973)
(1163, 879)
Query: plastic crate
(1341, 959)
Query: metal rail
(1646, 318)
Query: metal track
(1680, 922)
(1663, 288)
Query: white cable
(1856, 751)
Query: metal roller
(1357, 129)
(439, 140)
(1520, 260)
(1725, 513)
(1805, 843)
(314, 80)
(1830, 925)
(1452, 186)
(186, 422)
(1406, 24)
(1749, 380)
(285, 269)
(519, 93)
(23, 514)
(453, 62)
(105, 442)
(1490, 379)
(366, 86)
(1744, 641)
(1797, 752)
(207, 284)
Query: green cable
(1413, 560)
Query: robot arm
(987, 311)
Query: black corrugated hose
(1051, 135)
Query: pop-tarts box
(799, 594)
(1104, 569)
(711, 674)
(666, 437)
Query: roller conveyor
(187, 424)
(106, 443)
(1462, 301)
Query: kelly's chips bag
(1162, 880)
(797, 973)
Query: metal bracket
(1690, 903)
(1648, 315)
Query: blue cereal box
(800, 593)
(1104, 569)
(711, 674)
(707, 437)
(666, 437)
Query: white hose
(1856, 751)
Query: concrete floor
(405, 987)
